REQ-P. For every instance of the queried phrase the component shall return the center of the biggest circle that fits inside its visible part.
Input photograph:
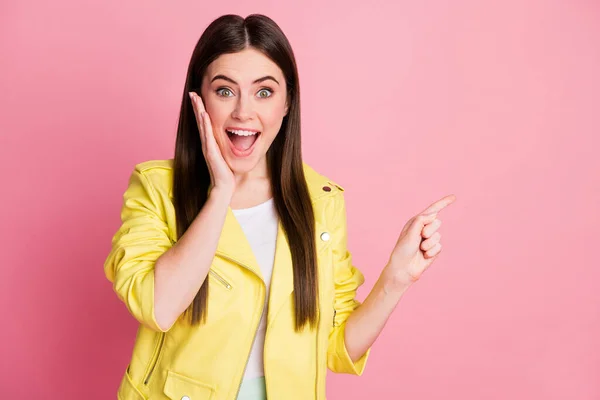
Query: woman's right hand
(221, 175)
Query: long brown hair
(191, 178)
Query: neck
(259, 173)
(252, 188)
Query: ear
(286, 109)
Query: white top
(260, 224)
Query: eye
(219, 92)
(264, 90)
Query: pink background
(496, 102)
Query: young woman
(232, 255)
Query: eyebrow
(259, 80)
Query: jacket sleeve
(347, 279)
(138, 243)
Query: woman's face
(245, 93)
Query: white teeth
(243, 133)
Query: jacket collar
(234, 246)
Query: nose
(243, 109)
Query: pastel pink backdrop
(402, 103)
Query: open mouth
(242, 142)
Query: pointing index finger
(440, 204)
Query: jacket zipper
(255, 329)
(220, 279)
(155, 357)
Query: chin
(242, 166)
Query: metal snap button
(185, 398)
(325, 236)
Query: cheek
(273, 116)
(218, 116)
(214, 110)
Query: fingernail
(191, 95)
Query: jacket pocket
(220, 279)
(179, 387)
(155, 358)
(128, 390)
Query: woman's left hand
(416, 249)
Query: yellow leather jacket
(208, 361)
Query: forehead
(244, 66)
